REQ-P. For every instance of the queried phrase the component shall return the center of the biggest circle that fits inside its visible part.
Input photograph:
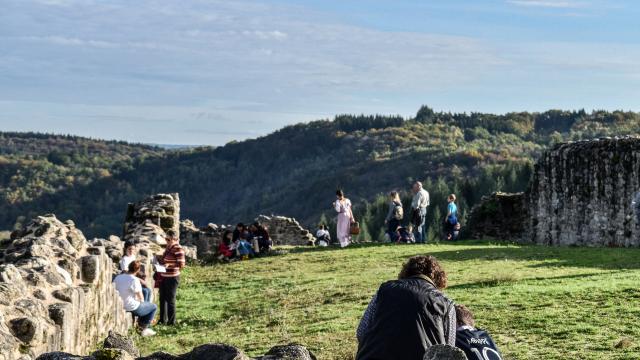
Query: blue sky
(207, 72)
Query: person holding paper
(173, 260)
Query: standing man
(173, 260)
(419, 211)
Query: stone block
(89, 268)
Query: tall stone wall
(55, 292)
(582, 193)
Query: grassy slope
(538, 302)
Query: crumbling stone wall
(582, 193)
(286, 231)
(204, 239)
(55, 292)
(502, 216)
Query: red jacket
(224, 249)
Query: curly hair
(464, 316)
(426, 265)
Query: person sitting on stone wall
(130, 291)
(173, 260)
(226, 247)
(323, 236)
(260, 233)
(408, 315)
(476, 343)
(240, 228)
(128, 257)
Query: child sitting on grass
(244, 247)
(405, 235)
(225, 253)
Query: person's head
(129, 248)
(227, 236)
(394, 196)
(417, 186)
(171, 237)
(451, 198)
(425, 265)
(322, 227)
(240, 226)
(134, 267)
(464, 316)
(253, 227)
(340, 194)
(244, 235)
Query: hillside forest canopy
(293, 171)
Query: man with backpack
(419, 205)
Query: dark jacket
(411, 315)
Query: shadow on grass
(506, 280)
(600, 258)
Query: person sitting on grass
(128, 257)
(476, 343)
(405, 235)
(408, 315)
(324, 238)
(225, 252)
(244, 248)
(130, 291)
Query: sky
(205, 72)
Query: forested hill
(293, 171)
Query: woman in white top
(128, 258)
(345, 218)
(130, 291)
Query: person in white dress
(345, 218)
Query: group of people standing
(244, 242)
(408, 315)
(414, 231)
(136, 294)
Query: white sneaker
(147, 332)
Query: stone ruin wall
(286, 231)
(55, 292)
(581, 194)
(499, 216)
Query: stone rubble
(118, 347)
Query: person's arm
(338, 206)
(180, 258)
(389, 212)
(452, 325)
(137, 289)
(367, 318)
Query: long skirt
(344, 229)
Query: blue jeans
(145, 313)
(420, 230)
(146, 294)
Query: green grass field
(537, 302)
